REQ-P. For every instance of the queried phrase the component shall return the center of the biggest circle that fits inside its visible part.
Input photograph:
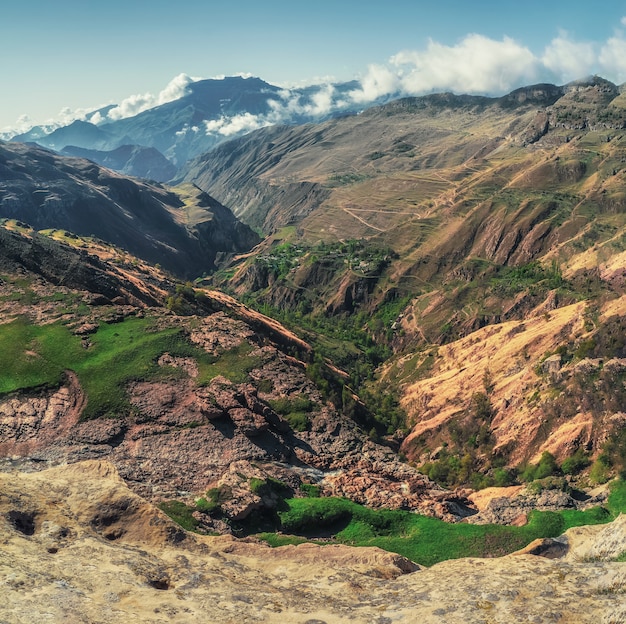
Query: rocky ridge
(186, 232)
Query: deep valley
(400, 329)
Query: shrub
(503, 477)
(294, 410)
(311, 491)
(265, 385)
(269, 487)
(208, 506)
(600, 471)
(546, 467)
(548, 483)
(574, 464)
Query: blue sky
(76, 55)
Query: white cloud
(228, 126)
(176, 89)
(23, 124)
(319, 103)
(97, 118)
(476, 64)
(612, 59)
(135, 104)
(568, 59)
(623, 21)
(378, 81)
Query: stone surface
(99, 553)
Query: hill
(184, 231)
(132, 160)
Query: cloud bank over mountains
(475, 64)
(480, 65)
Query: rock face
(515, 509)
(79, 546)
(526, 418)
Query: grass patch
(234, 364)
(180, 513)
(277, 539)
(312, 491)
(617, 497)
(32, 356)
(429, 540)
(121, 353)
(295, 410)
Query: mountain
(210, 112)
(184, 231)
(132, 160)
(259, 172)
(425, 354)
(79, 133)
(436, 229)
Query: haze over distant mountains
(210, 112)
(156, 142)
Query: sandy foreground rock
(76, 545)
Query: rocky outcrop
(75, 268)
(185, 429)
(396, 486)
(514, 510)
(79, 546)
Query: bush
(265, 385)
(269, 487)
(294, 410)
(546, 467)
(576, 463)
(600, 471)
(311, 491)
(208, 506)
(503, 477)
(548, 483)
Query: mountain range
(210, 112)
(437, 221)
(416, 307)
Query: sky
(60, 58)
